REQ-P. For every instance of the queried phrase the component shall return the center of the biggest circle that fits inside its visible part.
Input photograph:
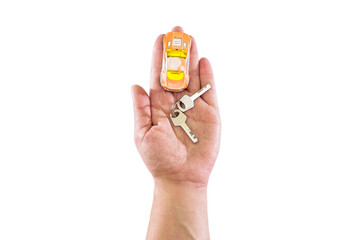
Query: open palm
(166, 150)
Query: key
(179, 119)
(188, 101)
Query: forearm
(179, 211)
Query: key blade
(180, 120)
(200, 92)
(189, 132)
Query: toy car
(175, 63)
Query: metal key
(179, 119)
(188, 101)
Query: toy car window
(177, 41)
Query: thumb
(142, 112)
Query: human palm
(167, 150)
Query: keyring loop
(173, 108)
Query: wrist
(181, 194)
(180, 206)
(176, 186)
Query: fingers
(156, 66)
(142, 112)
(177, 29)
(194, 84)
(206, 76)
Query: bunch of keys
(185, 103)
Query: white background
(287, 74)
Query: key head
(185, 103)
(178, 118)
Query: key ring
(173, 109)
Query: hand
(180, 168)
(167, 151)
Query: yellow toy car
(175, 63)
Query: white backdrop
(287, 77)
